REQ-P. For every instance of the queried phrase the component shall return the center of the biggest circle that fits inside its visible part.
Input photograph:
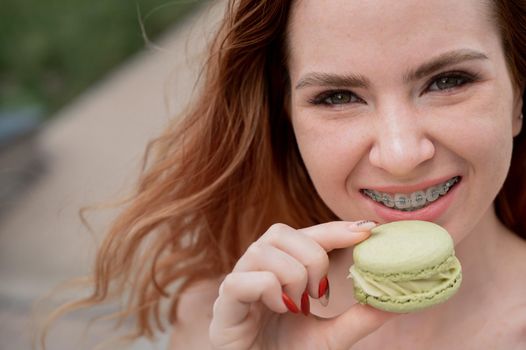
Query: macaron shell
(403, 246)
(405, 253)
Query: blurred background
(84, 85)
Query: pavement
(90, 153)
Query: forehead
(353, 33)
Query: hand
(260, 300)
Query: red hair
(510, 204)
(227, 170)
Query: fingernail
(324, 291)
(289, 303)
(322, 288)
(305, 303)
(363, 225)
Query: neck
(478, 253)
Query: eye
(449, 81)
(335, 97)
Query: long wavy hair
(229, 167)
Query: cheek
(481, 135)
(479, 126)
(494, 153)
(477, 140)
(484, 148)
(330, 150)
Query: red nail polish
(324, 283)
(305, 303)
(323, 291)
(289, 303)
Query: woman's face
(402, 109)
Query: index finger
(339, 234)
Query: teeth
(387, 200)
(373, 194)
(447, 185)
(432, 193)
(402, 201)
(442, 189)
(418, 199)
(412, 201)
(451, 182)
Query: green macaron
(405, 266)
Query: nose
(401, 143)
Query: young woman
(256, 198)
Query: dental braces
(418, 201)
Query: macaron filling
(428, 282)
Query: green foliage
(51, 50)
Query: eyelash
(467, 78)
(321, 99)
(464, 77)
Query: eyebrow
(442, 61)
(329, 79)
(356, 80)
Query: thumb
(360, 320)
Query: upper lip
(410, 188)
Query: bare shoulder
(193, 316)
(513, 327)
(517, 311)
(512, 305)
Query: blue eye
(450, 81)
(332, 98)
